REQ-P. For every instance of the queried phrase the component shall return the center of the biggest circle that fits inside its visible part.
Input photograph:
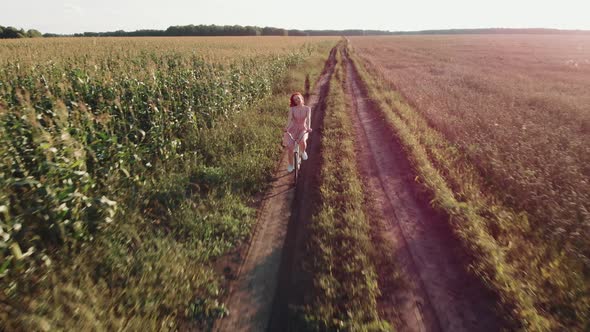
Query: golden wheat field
(510, 126)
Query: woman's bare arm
(290, 118)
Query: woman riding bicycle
(299, 124)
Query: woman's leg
(303, 144)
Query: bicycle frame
(296, 155)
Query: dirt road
(273, 242)
(439, 294)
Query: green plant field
(542, 277)
(128, 166)
(341, 260)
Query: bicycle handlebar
(300, 136)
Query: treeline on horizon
(238, 30)
(229, 30)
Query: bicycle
(296, 156)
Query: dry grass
(513, 115)
(518, 107)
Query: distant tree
(12, 32)
(252, 30)
(32, 33)
(297, 33)
(269, 31)
(21, 33)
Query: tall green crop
(74, 129)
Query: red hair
(293, 101)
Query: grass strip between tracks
(345, 287)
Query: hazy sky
(70, 16)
